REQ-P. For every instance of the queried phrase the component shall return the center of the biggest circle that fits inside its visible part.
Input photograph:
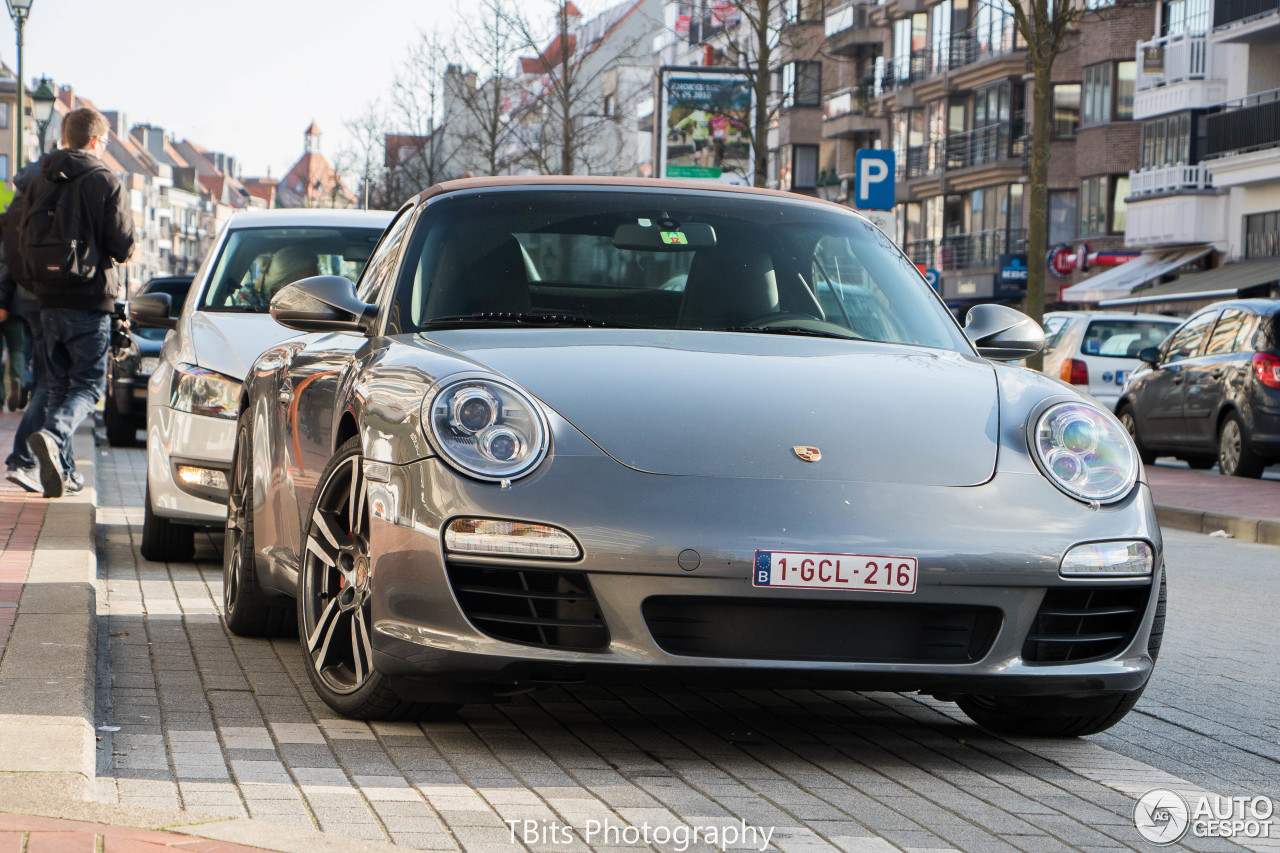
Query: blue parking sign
(873, 181)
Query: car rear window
(1124, 338)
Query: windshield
(663, 260)
(1124, 338)
(257, 262)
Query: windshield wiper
(516, 318)
(795, 330)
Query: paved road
(215, 723)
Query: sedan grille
(533, 607)
(847, 631)
(1085, 623)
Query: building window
(4, 167)
(800, 11)
(1126, 77)
(1166, 140)
(1093, 206)
(1066, 109)
(1096, 95)
(1119, 192)
(802, 84)
(804, 167)
(1262, 235)
(4, 116)
(1062, 216)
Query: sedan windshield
(604, 257)
(257, 262)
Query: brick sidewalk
(1212, 492)
(27, 834)
(21, 516)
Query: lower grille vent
(533, 607)
(1085, 623)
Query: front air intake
(532, 607)
(1077, 624)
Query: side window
(383, 262)
(1229, 335)
(1186, 342)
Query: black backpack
(53, 245)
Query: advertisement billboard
(704, 121)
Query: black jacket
(105, 217)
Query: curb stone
(1261, 530)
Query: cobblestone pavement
(213, 723)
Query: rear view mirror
(1003, 334)
(323, 303)
(1149, 355)
(664, 236)
(152, 309)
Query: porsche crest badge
(808, 454)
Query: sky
(244, 77)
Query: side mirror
(1003, 334)
(152, 309)
(1150, 355)
(324, 303)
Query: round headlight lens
(1085, 453)
(485, 428)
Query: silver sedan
(571, 429)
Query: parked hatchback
(1096, 350)
(1211, 392)
(193, 395)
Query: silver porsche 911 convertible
(613, 430)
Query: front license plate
(861, 572)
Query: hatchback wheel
(164, 541)
(334, 589)
(247, 610)
(1235, 458)
(1130, 424)
(122, 430)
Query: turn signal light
(510, 538)
(1074, 371)
(1267, 368)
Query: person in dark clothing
(75, 316)
(21, 463)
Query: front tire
(1235, 458)
(247, 610)
(334, 588)
(122, 431)
(1130, 423)
(1059, 716)
(162, 540)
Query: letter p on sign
(874, 187)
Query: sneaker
(48, 457)
(28, 478)
(74, 483)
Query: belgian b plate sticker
(857, 572)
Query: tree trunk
(1038, 214)
(763, 76)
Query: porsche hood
(745, 405)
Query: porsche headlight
(1084, 453)
(204, 392)
(487, 429)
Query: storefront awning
(1226, 282)
(1121, 280)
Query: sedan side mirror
(324, 303)
(1003, 334)
(1150, 355)
(152, 309)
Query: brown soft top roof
(607, 181)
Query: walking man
(76, 228)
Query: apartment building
(1204, 202)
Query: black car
(134, 353)
(1211, 392)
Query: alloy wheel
(336, 582)
(236, 510)
(1229, 447)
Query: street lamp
(42, 101)
(828, 185)
(19, 10)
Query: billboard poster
(705, 120)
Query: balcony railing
(979, 248)
(920, 251)
(978, 147)
(1169, 179)
(983, 42)
(1230, 11)
(1184, 56)
(963, 48)
(1244, 125)
(839, 104)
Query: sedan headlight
(204, 392)
(1084, 453)
(487, 429)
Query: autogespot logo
(1161, 816)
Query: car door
(1160, 410)
(1208, 376)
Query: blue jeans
(76, 344)
(37, 404)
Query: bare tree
(418, 95)
(361, 158)
(487, 97)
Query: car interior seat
(728, 286)
(495, 281)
